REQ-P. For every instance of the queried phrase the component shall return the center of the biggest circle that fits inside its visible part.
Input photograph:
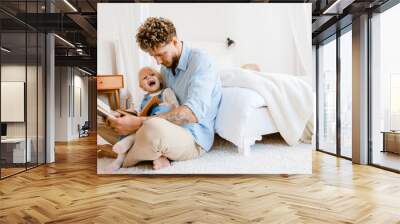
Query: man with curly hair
(187, 131)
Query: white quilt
(290, 100)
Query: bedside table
(110, 85)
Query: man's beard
(174, 63)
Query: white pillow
(236, 106)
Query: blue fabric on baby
(157, 109)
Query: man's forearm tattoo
(178, 118)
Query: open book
(105, 111)
(154, 101)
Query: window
(385, 88)
(394, 101)
(346, 94)
(327, 96)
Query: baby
(150, 81)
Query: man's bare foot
(161, 162)
(119, 149)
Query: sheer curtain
(296, 19)
(129, 58)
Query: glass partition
(31, 97)
(13, 92)
(327, 96)
(22, 64)
(41, 97)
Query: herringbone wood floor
(70, 191)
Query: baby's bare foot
(114, 166)
(161, 162)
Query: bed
(255, 103)
(243, 118)
(244, 115)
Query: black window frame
(334, 37)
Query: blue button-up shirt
(197, 86)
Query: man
(187, 131)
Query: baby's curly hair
(155, 32)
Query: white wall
(79, 117)
(275, 36)
(67, 115)
(61, 103)
(263, 32)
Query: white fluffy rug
(269, 156)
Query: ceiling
(77, 22)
